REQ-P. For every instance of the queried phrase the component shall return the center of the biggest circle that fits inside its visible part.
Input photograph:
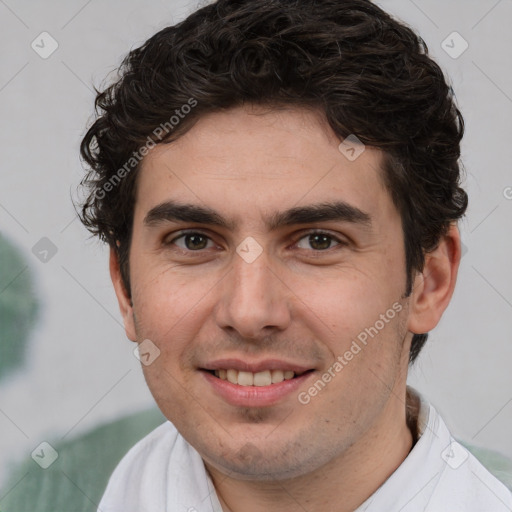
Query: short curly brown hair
(367, 72)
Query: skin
(299, 301)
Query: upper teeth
(264, 378)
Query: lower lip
(255, 396)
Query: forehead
(250, 163)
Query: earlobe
(433, 287)
(124, 300)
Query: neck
(343, 484)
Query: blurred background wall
(78, 370)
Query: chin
(264, 461)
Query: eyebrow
(171, 211)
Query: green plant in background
(78, 477)
(18, 306)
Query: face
(262, 255)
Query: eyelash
(340, 243)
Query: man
(279, 186)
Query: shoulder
(440, 474)
(468, 486)
(464, 483)
(161, 472)
(150, 449)
(142, 471)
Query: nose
(254, 300)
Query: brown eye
(317, 241)
(191, 241)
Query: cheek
(167, 307)
(160, 304)
(167, 312)
(359, 320)
(343, 303)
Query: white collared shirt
(164, 473)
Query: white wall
(81, 370)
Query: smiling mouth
(259, 379)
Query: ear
(124, 300)
(433, 287)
